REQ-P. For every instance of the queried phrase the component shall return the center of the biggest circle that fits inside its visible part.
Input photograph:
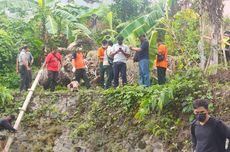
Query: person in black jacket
(208, 133)
(5, 124)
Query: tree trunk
(201, 42)
(214, 8)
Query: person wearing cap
(143, 59)
(5, 124)
(120, 54)
(101, 52)
(53, 63)
(79, 65)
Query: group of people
(208, 133)
(112, 63)
(113, 58)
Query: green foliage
(5, 96)
(9, 79)
(125, 97)
(163, 127)
(143, 24)
(126, 9)
(179, 92)
(183, 44)
(6, 49)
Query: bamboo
(23, 109)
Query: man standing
(101, 52)
(226, 45)
(208, 133)
(30, 62)
(53, 65)
(108, 65)
(120, 54)
(143, 59)
(161, 62)
(5, 124)
(79, 66)
(23, 70)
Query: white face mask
(79, 49)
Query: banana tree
(147, 24)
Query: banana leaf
(152, 49)
(51, 25)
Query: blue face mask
(201, 117)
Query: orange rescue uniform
(162, 50)
(100, 53)
(79, 62)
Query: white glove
(73, 70)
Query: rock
(73, 86)
(142, 144)
(158, 147)
(63, 143)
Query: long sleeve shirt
(210, 137)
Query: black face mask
(201, 117)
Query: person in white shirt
(23, 69)
(120, 54)
(108, 65)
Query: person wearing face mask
(101, 52)
(120, 54)
(208, 133)
(79, 66)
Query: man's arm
(32, 59)
(194, 142)
(224, 130)
(113, 52)
(144, 45)
(136, 49)
(126, 53)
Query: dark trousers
(102, 75)
(81, 74)
(30, 76)
(161, 75)
(52, 80)
(109, 73)
(119, 67)
(227, 53)
(24, 85)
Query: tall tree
(214, 9)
